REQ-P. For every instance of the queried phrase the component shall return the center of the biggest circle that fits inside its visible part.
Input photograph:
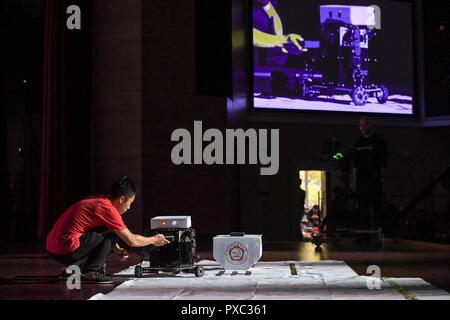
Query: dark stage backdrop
(171, 62)
(3, 135)
(116, 123)
(436, 36)
(21, 31)
(3, 175)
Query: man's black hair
(122, 187)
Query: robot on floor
(175, 257)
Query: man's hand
(121, 253)
(296, 40)
(138, 241)
(160, 240)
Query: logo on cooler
(236, 253)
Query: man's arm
(354, 175)
(136, 240)
(267, 40)
(354, 166)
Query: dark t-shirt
(370, 155)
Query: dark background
(393, 44)
(139, 70)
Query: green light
(338, 156)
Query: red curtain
(65, 154)
(52, 172)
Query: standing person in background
(369, 166)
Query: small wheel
(138, 271)
(360, 96)
(382, 95)
(306, 92)
(199, 271)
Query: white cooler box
(237, 251)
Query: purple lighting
(348, 64)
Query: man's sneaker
(103, 270)
(96, 277)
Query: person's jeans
(95, 246)
(369, 204)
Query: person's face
(366, 127)
(123, 204)
(263, 2)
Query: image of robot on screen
(346, 56)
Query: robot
(175, 257)
(337, 64)
(344, 62)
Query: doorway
(314, 182)
(317, 181)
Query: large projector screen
(339, 56)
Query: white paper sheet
(324, 280)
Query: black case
(180, 252)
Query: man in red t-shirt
(90, 229)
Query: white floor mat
(324, 280)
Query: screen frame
(417, 81)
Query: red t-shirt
(92, 212)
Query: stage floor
(396, 104)
(28, 273)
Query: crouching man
(89, 231)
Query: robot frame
(175, 257)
